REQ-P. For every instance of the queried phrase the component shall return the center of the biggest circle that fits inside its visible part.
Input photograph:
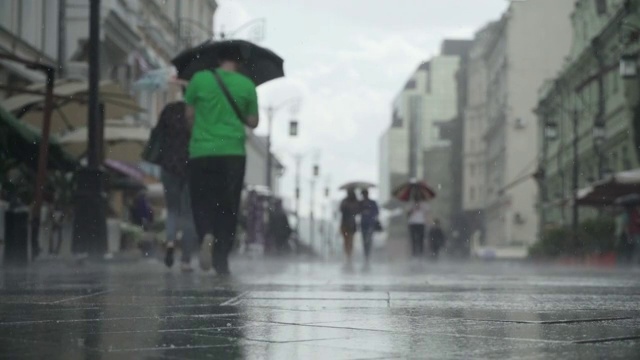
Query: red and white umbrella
(407, 191)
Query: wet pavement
(303, 310)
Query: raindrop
(228, 324)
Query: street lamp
(550, 131)
(629, 66)
(294, 105)
(257, 30)
(316, 173)
(293, 128)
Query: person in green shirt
(217, 155)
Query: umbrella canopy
(259, 64)
(353, 185)
(406, 191)
(124, 176)
(70, 104)
(21, 142)
(123, 141)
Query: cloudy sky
(346, 59)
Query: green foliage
(598, 235)
(554, 242)
(595, 236)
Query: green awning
(21, 141)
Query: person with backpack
(173, 163)
(369, 213)
(631, 228)
(349, 209)
(221, 103)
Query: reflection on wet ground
(303, 310)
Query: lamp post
(314, 177)
(327, 222)
(299, 158)
(258, 26)
(599, 138)
(574, 180)
(550, 133)
(294, 104)
(90, 227)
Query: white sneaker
(206, 252)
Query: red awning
(605, 192)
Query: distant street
(303, 310)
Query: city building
(397, 163)
(414, 145)
(474, 120)
(28, 29)
(590, 101)
(452, 130)
(530, 44)
(434, 147)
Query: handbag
(377, 226)
(227, 95)
(152, 152)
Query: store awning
(605, 192)
(21, 142)
(70, 104)
(122, 141)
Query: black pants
(417, 239)
(215, 184)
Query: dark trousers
(367, 239)
(215, 184)
(417, 239)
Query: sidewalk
(280, 309)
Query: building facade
(589, 102)
(28, 29)
(519, 58)
(475, 118)
(397, 162)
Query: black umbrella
(259, 64)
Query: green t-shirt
(217, 131)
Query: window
(601, 7)
(472, 170)
(30, 22)
(614, 82)
(472, 194)
(6, 11)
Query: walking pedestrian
(217, 153)
(349, 208)
(174, 176)
(631, 226)
(141, 211)
(369, 213)
(279, 229)
(436, 238)
(417, 213)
